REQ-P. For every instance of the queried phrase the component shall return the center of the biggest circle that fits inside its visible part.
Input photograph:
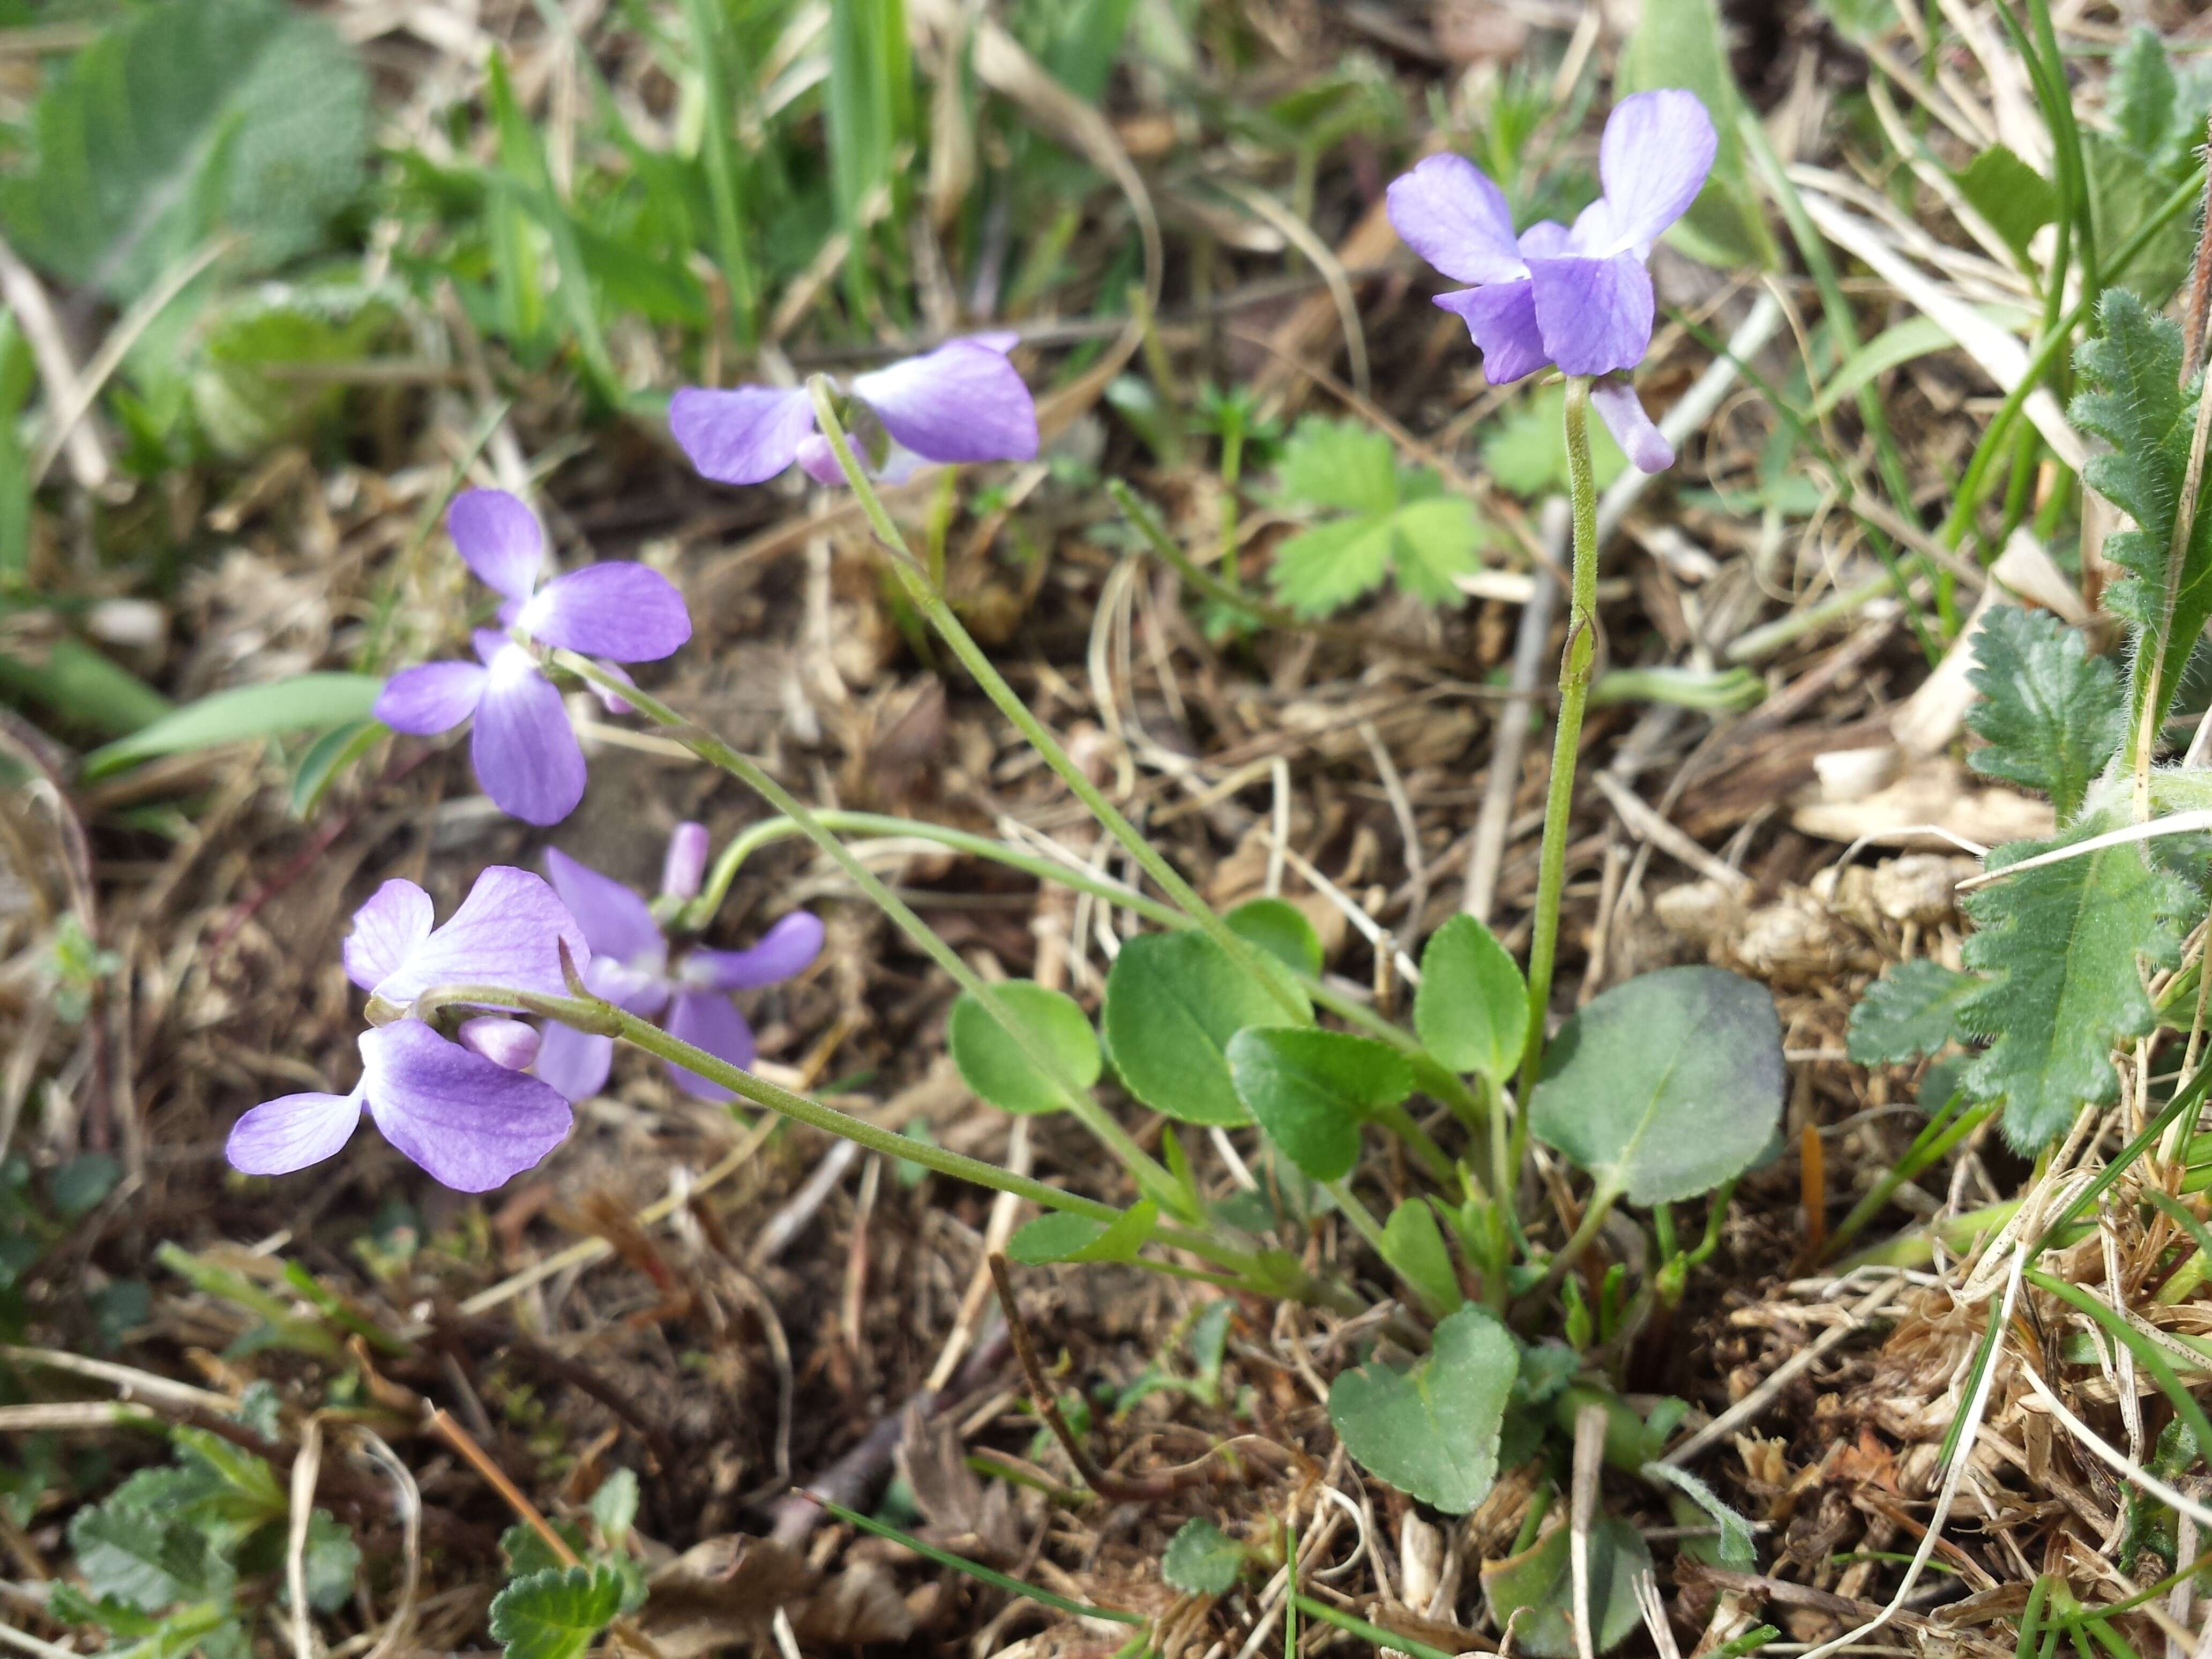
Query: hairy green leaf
(186, 120)
(1173, 1001)
(2140, 97)
(1538, 1586)
(996, 1068)
(1911, 1011)
(1472, 1009)
(1665, 1085)
(1311, 1090)
(1399, 521)
(143, 1556)
(1432, 1430)
(1201, 1558)
(2137, 408)
(556, 1614)
(1339, 463)
(2052, 715)
(2061, 946)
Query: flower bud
(687, 861)
(507, 1042)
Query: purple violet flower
(963, 402)
(462, 1111)
(527, 755)
(632, 968)
(1577, 298)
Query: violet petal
(526, 756)
(617, 609)
(387, 931)
(608, 700)
(1658, 148)
(685, 865)
(744, 436)
(502, 1041)
(819, 461)
(616, 921)
(1595, 314)
(709, 1020)
(1617, 406)
(784, 949)
(1501, 319)
(499, 537)
(963, 402)
(508, 932)
(1447, 211)
(574, 1063)
(430, 697)
(471, 1123)
(290, 1133)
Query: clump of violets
(464, 1111)
(963, 402)
(685, 989)
(525, 753)
(1580, 297)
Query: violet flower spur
(462, 1111)
(1577, 298)
(963, 402)
(687, 994)
(525, 753)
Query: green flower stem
(1566, 743)
(695, 915)
(1152, 1177)
(1361, 1217)
(931, 604)
(1433, 1079)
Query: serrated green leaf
(2016, 199)
(556, 1614)
(1432, 1430)
(305, 702)
(1666, 1085)
(330, 1561)
(1064, 1238)
(246, 388)
(1311, 1090)
(1280, 928)
(1000, 1071)
(1341, 463)
(1413, 1245)
(2124, 190)
(2138, 409)
(1527, 448)
(1435, 541)
(142, 1557)
(1911, 1011)
(185, 119)
(528, 1552)
(2139, 97)
(1173, 1002)
(2061, 946)
(1472, 1008)
(2052, 715)
(1201, 1558)
(1320, 571)
(1533, 1592)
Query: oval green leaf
(1413, 1245)
(1280, 928)
(1534, 1590)
(1311, 1090)
(1665, 1086)
(305, 702)
(1432, 1431)
(1173, 1002)
(1202, 1559)
(1062, 1236)
(995, 1067)
(1472, 1011)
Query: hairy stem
(1574, 692)
(931, 604)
